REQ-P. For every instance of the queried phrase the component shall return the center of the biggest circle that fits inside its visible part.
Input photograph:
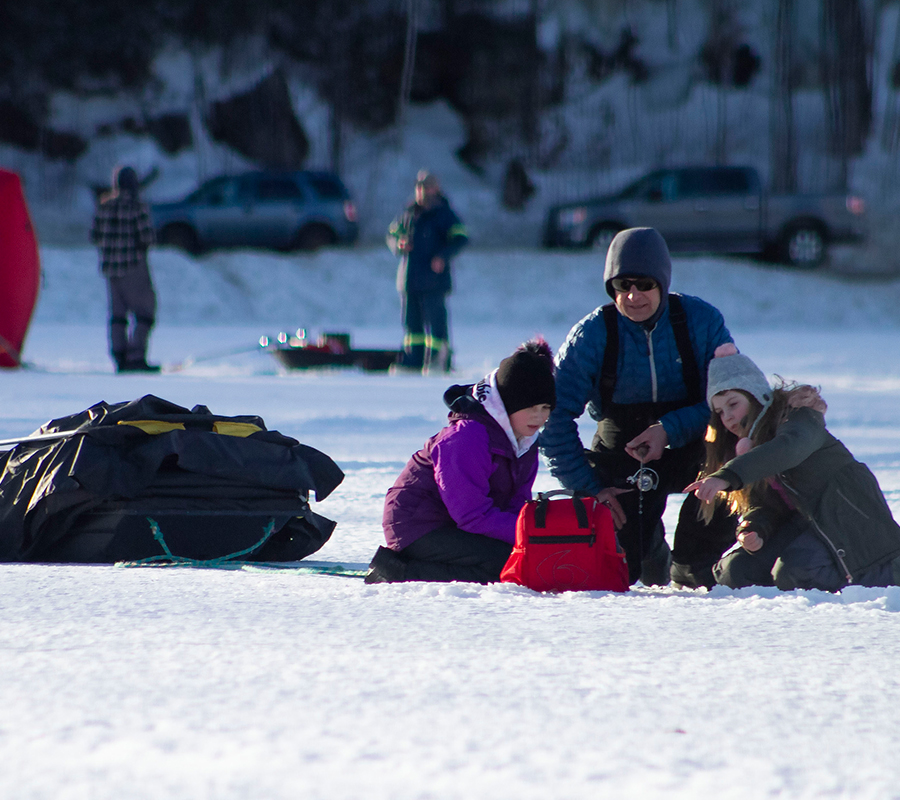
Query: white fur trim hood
(487, 393)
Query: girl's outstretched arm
(707, 488)
(796, 440)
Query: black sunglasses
(623, 285)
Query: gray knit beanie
(639, 253)
(736, 371)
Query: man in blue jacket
(426, 236)
(639, 365)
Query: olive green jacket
(839, 495)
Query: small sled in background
(566, 545)
(297, 351)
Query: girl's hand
(707, 489)
(750, 541)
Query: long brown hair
(721, 443)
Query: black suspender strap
(610, 368)
(689, 369)
(679, 321)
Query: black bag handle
(540, 512)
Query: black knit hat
(525, 378)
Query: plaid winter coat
(122, 232)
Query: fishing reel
(644, 480)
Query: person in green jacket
(812, 516)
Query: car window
(656, 187)
(217, 192)
(270, 189)
(668, 186)
(639, 189)
(328, 187)
(651, 187)
(705, 182)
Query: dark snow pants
(132, 302)
(427, 337)
(795, 557)
(449, 554)
(697, 546)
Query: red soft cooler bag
(566, 545)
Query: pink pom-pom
(744, 445)
(727, 349)
(538, 346)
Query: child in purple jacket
(451, 515)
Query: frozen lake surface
(176, 683)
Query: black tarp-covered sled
(133, 480)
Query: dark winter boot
(120, 361)
(656, 566)
(692, 576)
(140, 365)
(386, 567)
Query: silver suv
(279, 210)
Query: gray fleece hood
(640, 253)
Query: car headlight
(571, 217)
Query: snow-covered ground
(174, 683)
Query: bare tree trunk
(409, 64)
(782, 134)
(198, 114)
(336, 137)
(339, 75)
(890, 128)
(672, 25)
(531, 100)
(722, 43)
(846, 80)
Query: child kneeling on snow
(451, 515)
(813, 517)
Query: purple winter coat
(467, 476)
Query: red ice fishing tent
(20, 269)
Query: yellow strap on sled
(152, 426)
(239, 429)
(157, 426)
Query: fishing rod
(234, 351)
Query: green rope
(329, 569)
(169, 559)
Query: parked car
(281, 210)
(714, 210)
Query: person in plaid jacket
(123, 233)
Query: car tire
(181, 236)
(601, 238)
(314, 237)
(804, 246)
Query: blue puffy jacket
(649, 369)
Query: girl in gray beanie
(812, 516)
